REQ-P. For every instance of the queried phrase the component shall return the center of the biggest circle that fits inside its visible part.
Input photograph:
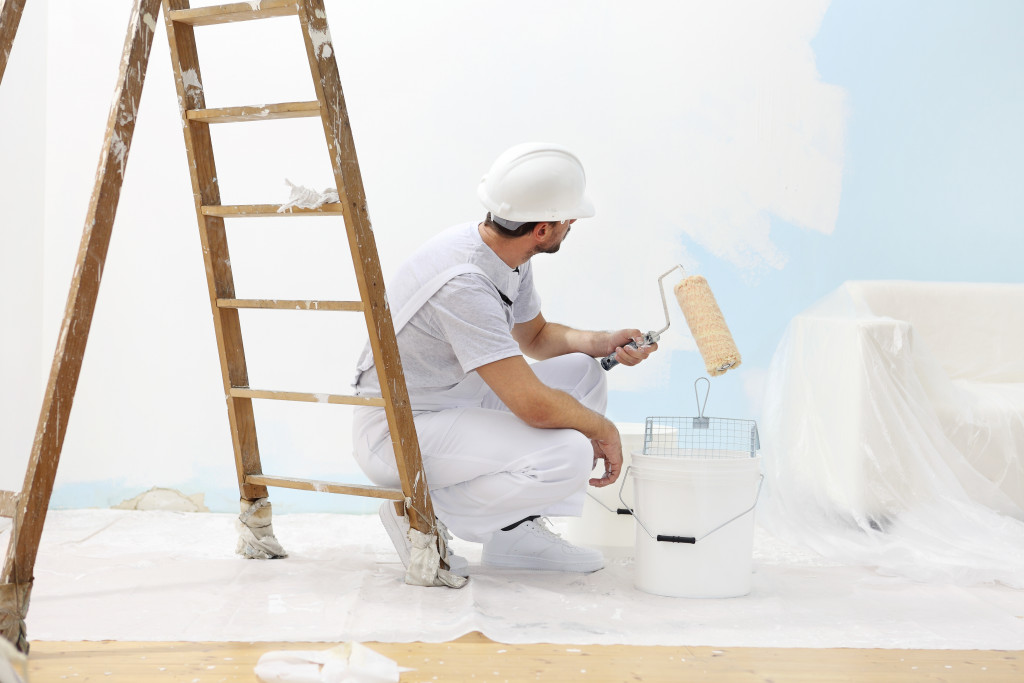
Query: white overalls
(485, 467)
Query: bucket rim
(740, 456)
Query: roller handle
(609, 362)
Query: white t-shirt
(466, 323)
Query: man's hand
(609, 449)
(618, 343)
(538, 405)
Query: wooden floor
(476, 658)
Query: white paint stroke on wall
(771, 143)
(727, 126)
(697, 123)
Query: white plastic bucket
(702, 509)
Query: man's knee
(592, 387)
(571, 456)
(575, 373)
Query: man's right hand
(609, 449)
(538, 405)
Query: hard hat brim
(585, 209)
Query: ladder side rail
(10, 17)
(341, 147)
(206, 191)
(32, 503)
(82, 294)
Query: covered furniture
(894, 429)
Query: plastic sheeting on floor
(171, 576)
(893, 430)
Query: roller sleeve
(707, 325)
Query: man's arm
(538, 405)
(540, 339)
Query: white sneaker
(398, 529)
(533, 545)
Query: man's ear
(541, 230)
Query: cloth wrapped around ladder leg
(425, 563)
(425, 557)
(13, 610)
(256, 533)
(707, 325)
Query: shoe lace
(543, 524)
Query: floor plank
(476, 658)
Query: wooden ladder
(28, 507)
(211, 214)
(10, 17)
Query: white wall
(22, 156)
(699, 124)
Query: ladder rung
(258, 210)
(256, 112)
(292, 304)
(338, 399)
(238, 11)
(325, 486)
(8, 503)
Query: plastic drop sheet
(171, 576)
(893, 431)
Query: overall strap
(414, 304)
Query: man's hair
(524, 229)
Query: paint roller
(706, 322)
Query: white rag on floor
(345, 663)
(12, 662)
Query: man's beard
(555, 247)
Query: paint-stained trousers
(485, 467)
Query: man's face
(555, 237)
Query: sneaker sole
(520, 562)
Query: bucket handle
(681, 539)
(614, 511)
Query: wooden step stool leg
(256, 536)
(32, 503)
(348, 179)
(424, 529)
(13, 596)
(10, 17)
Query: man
(504, 443)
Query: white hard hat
(536, 181)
